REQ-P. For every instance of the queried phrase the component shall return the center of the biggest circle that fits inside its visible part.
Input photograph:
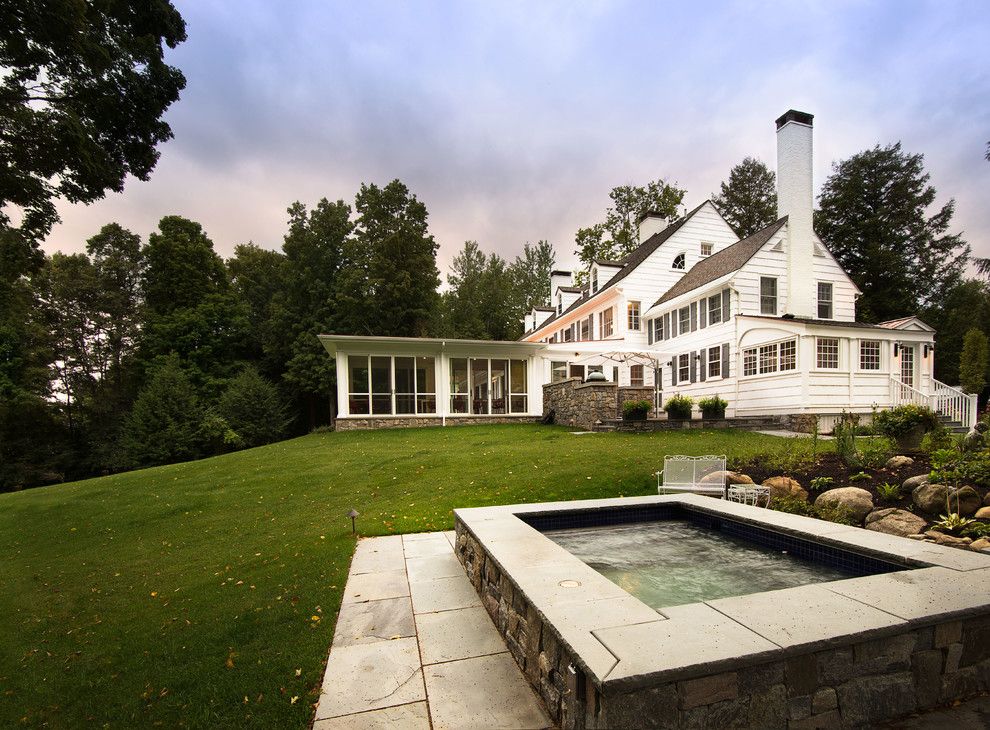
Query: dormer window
(706, 248)
(560, 304)
(594, 279)
(680, 262)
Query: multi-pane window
(706, 248)
(633, 319)
(714, 309)
(558, 371)
(869, 355)
(824, 300)
(768, 295)
(680, 261)
(560, 304)
(481, 385)
(768, 358)
(567, 335)
(828, 353)
(749, 361)
(635, 375)
(714, 362)
(788, 355)
(683, 320)
(605, 322)
(594, 279)
(683, 368)
(585, 334)
(385, 385)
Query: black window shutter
(702, 364)
(649, 332)
(591, 326)
(725, 305)
(694, 316)
(725, 360)
(694, 370)
(702, 314)
(673, 370)
(666, 326)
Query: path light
(353, 514)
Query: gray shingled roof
(630, 262)
(729, 259)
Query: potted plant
(713, 407)
(679, 408)
(636, 410)
(906, 424)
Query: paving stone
(366, 623)
(433, 566)
(483, 692)
(404, 717)
(443, 594)
(435, 544)
(458, 634)
(371, 676)
(376, 586)
(814, 616)
(378, 555)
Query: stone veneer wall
(579, 404)
(856, 685)
(365, 423)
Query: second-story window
(594, 279)
(680, 262)
(824, 300)
(706, 248)
(633, 316)
(768, 295)
(683, 320)
(714, 309)
(560, 304)
(605, 323)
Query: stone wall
(857, 685)
(632, 392)
(579, 404)
(365, 423)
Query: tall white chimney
(795, 197)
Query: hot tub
(683, 610)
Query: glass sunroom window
(384, 385)
(357, 384)
(479, 386)
(381, 385)
(518, 389)
(482, 386)
(459, 391)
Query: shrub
(679, 407)
(164, 425)
(937, 438)
(973, 362)
(797, 506)
(636, 410)
(902, 420)
(875, 452)
(253, 409)
(950, 466)
(845, 440)
(834, 513)
(888, 492)
(976, 530)
(713, 407)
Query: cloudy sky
(513, 120)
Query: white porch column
(343, 402)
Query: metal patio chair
(754, 494)
(694, 474)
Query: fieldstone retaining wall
(576, 403)
(856, 685)
(365, 423)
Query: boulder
(858, 501)
(983, 513)
(981, 544)
(912, 483)
(986, 500)
(973, 441)
(965, 501)
(943, 539)
(785, 487)
(930, 498)
(898, 462)
(895, 521)
(730, 477)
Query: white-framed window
(824, 300)
(560, 304)
(683, 320)
(683, 368)
(387, 385)
(768, 295)
(788, 355)
(636, 375)
(869, 355)
(714, 309)
(770, 358)
(714, 362)
(749, 361)
(706, 248)
(558, 371)
(568, 334)
(827, 353)
(680, 261)
(594, 279)
(658, 328)
(605, 324)
(633, 316)
(481, 385)
(585, 330)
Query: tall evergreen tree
(964, 305)
(257, 277)
(530, 273)
(874, 216)
(748, 199)
(974, 362)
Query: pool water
(673, 562)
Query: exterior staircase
(955, 409)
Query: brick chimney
(795, 198)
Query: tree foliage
(253, 409)
(874, 216)
(81, 99)
(964, 305)
(618, 234)
(974, 362)
(748, 199)
(164, 425)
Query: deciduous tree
(974, 362)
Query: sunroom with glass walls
(391, 385)
(488, 386)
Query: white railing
(945, 400)
(954, 403)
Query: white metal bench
(695, 474)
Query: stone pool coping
(621, 644)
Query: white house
(768, 323)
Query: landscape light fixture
(353, 514)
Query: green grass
(205, 593)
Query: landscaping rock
(981, 544)
(893, 521)
(986, 500)
(930, 497)
(983, 513)
(858, 501)
(966, 501)
(912, 483)
(731, 477)
(943, 539)
(898, 462)
(785, 487)
(975, 440)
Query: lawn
(205, 593)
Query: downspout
(444, 399)
(735, 355)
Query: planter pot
(678, 417)
(713, 415)
(911, 440)
(634, 416)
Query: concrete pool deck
(413, 647)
